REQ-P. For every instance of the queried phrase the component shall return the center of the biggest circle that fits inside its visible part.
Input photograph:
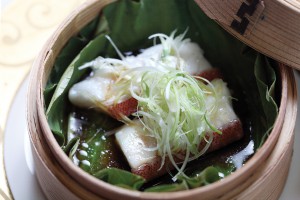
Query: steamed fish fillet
(190, 53)
(96, 90)
(139, 147)
(150, 169)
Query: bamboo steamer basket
(262, 177)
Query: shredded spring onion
(172, 108)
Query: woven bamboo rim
(80, 184)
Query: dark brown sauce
(96, 151)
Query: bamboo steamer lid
(272, 27)
(60, 178)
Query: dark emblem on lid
(246, 8)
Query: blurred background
(25, 26)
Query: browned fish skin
(211, 74)
(231, 133)
(124, 108)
